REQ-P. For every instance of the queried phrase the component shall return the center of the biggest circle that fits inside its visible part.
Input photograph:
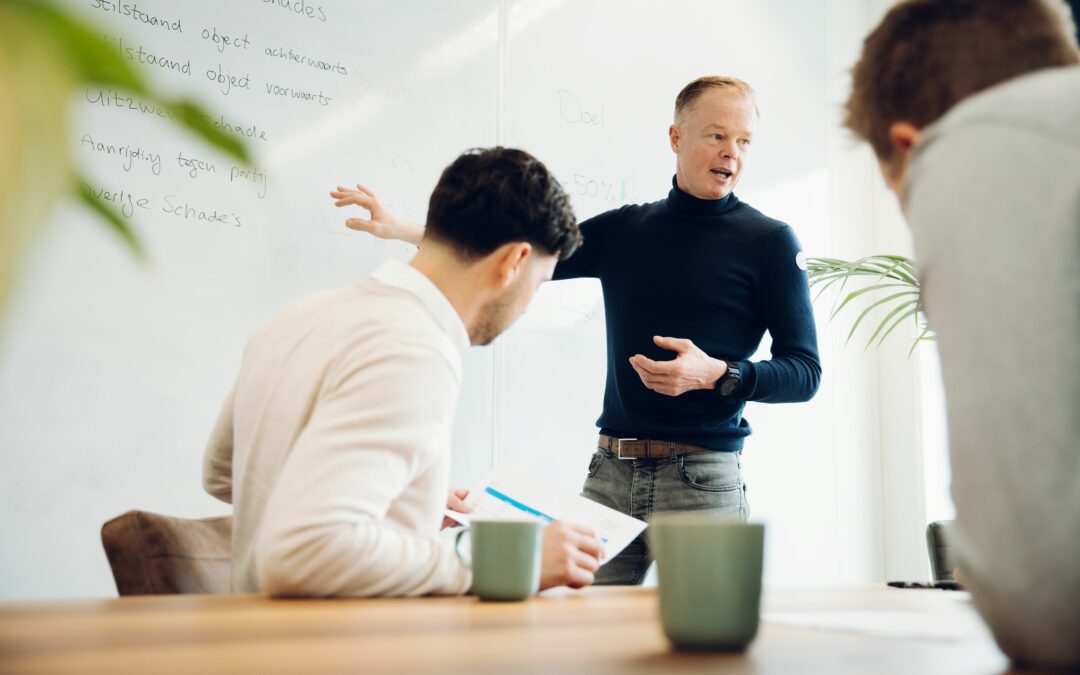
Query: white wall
(111, 374)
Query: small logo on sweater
(800, 260)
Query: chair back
(151, 554)
(938, 544)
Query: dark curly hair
(492, 196)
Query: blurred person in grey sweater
(973, 110)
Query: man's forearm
(782, 379)
(411, 232)
(354, 558)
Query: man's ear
(510, 261)
(903, 136)
(674, 135)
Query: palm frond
(890, 282)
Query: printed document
(507, 495)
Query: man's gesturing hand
(571, 556)
(384, 223)
(691, 369)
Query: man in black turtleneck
(691, 283)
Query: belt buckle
(618, 447)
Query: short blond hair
(731, 85)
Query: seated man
(334, 444)
(973, 109)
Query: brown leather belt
(644, 448)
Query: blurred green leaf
(112, 218)
(90, 57)
(35, 90)
(47, 52)
(95, 61)
(195, 118)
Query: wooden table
(599, 630)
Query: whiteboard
(112, 372)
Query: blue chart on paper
(523, 507)
(518, 505)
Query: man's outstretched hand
(382, 221)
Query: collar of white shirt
(393, 272)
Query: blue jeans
(702, 481)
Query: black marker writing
(255, 176)
(128, 154)
(226, 80)
(289, 55)
(145, 57)
(221, 41)
(189, 212)
(300, 7)
(137, 14)
(278, 90)
(194, 165)
(109, 98)
(124, 199)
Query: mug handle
(457, 547)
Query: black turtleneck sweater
(717, 272)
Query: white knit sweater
(333, 446)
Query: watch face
(729, 386)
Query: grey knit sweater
(993, 200)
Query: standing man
(973, 110)
(691, 283)
(334, 444)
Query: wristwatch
(730, 381)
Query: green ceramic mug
(710, 579)
(505, 558)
